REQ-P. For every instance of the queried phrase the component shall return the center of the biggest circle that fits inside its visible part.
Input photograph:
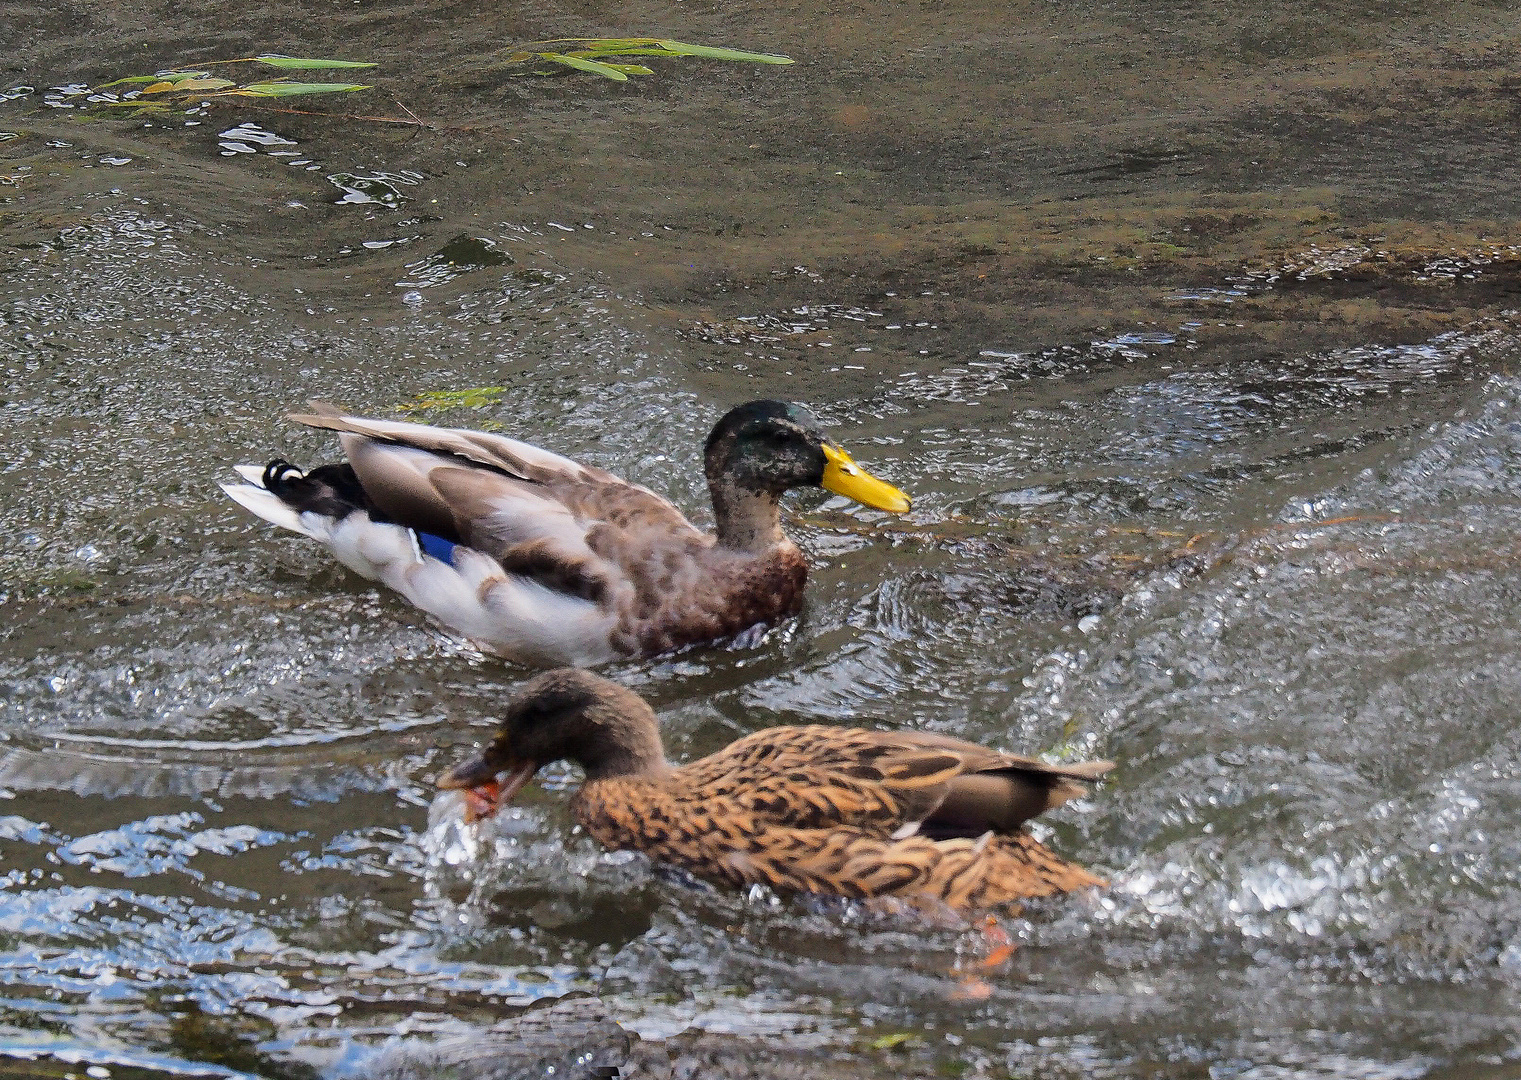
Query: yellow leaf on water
(201, 84)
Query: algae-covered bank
(1192, 330)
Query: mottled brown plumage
(554, 562)
(921, 818)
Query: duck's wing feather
(497, 494)
(819, 777)
(510, 456)
(891, 784)
(998, 790)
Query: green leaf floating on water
(581, 63)
(473, 398)
(197, 81)
(604, 47)
(283, 88)
(712, 53)
(298, 63)
(665, 47)
(176, 76)
(594, 56)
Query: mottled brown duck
(542, 560)
(925, 819)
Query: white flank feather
(473, 596)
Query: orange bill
(487, 787)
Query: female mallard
(841, 811)
(545, 561)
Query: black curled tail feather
(330, 490)
(277, 473)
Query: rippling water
(1269, 572)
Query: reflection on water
(386, 189)
(1273, 579)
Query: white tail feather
(254, 474)
(269, 507)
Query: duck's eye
(778, 437)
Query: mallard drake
(917, 817)
(545, 561)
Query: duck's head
(562, 715)
(767, 447)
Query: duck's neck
(625, 741)
(748, 521)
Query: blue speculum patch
(437, 546)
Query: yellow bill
(844, 477)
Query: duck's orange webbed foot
(997, 949)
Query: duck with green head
(542, 560)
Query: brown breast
(698, 596)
